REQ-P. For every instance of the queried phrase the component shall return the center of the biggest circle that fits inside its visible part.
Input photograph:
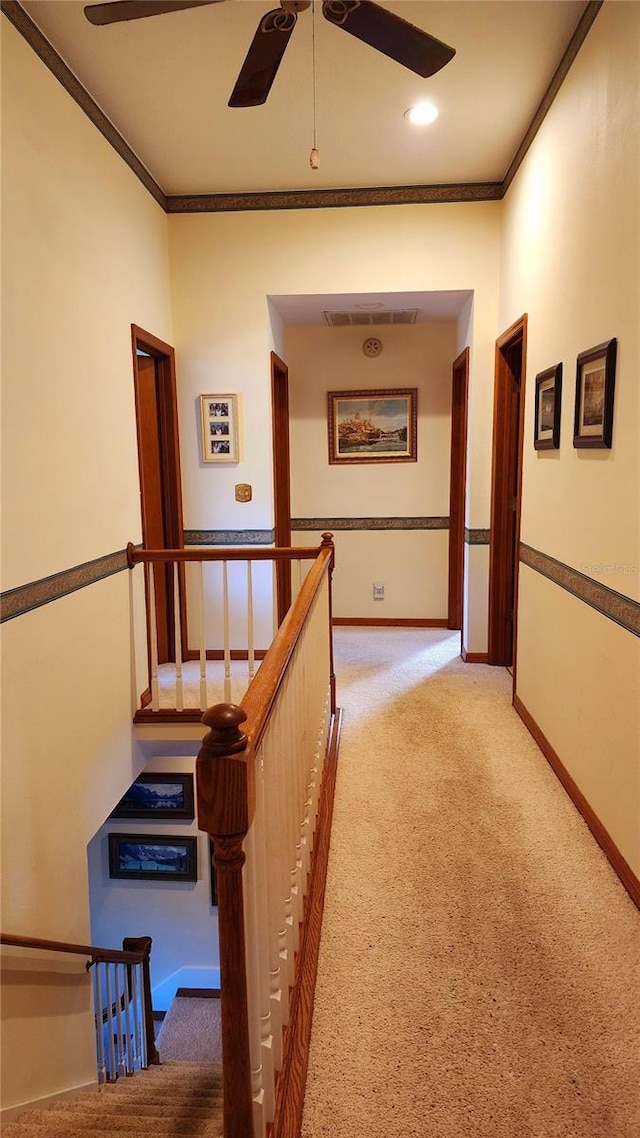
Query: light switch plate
(243, 492)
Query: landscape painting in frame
(373, 426)
(595, 382)
(147, 857)
(158, 796)
(547, 416)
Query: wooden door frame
(281, 477)
(171, 477)
(499, 553)
(457, 487)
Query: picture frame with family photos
(219, 416)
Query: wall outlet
(378, 591)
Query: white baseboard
(11, 1113)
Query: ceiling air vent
(358, 319)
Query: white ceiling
(430, 306)
(165, 81)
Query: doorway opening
(457, 491)
(506, 493)
(159, 464)
(281, 479)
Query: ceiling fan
(381, 29)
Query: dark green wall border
(333, 524)
(229, 536)
(477, 536)
(615, 606)
(16, 602)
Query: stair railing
(122, 1001)
(203, 605)
(264, 794)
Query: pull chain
(314, 157)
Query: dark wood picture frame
(145, 798)
(373, 426)
(149, 857)
(546, 434)
(595, 386)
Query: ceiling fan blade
(120, 10)
(389, 34)
(263, 59)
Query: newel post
(327, 543)
(226, 802)
(143, 944)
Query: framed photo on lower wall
(219, 415)
(158, 796)
(148, 857)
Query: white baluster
(153, 636)
(251, 659)
(111, 1065)
(178, 637)
(98, 1003)
(203, 640)
(227, 646)
(253, 968)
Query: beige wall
(84, 255)
(412, 565)
(225, 266)
(571, 260)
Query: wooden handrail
(260, 697)
(98, 955)
(137, 556)
(138, 951)
(225, 776)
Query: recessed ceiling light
(422, 114)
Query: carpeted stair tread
(135, 1128)
(179, 1100)
(161, 1108)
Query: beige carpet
(177, 1100)
(480, 962)
(191, 1031)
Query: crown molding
(296, 199)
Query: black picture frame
(595, 387)
(162, 796)
(546, 434)
(153, 857)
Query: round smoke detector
(372, 347)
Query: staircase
(173, 1100)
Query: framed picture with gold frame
(219, 416)
(373, 426)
